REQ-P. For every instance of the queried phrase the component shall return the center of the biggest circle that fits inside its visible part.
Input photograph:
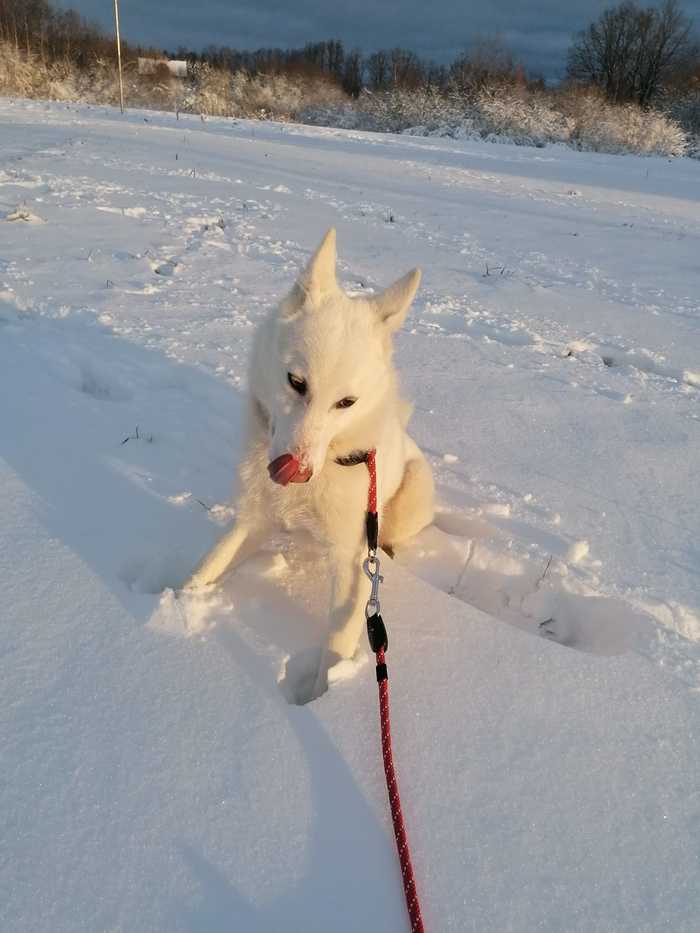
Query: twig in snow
(137, 437)
(544, 574)
(501, 271)
(470, 553)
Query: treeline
(630, 53)
(485, 61)
(36, 28)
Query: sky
(538, 34)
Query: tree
(406, 68)
(352, 73)
(379, 70)
(629, 52)
(485, 61)
(24, 21)
(395, 68)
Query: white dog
(322, 392)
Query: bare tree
(486, 60)
(352, 73)
(406, 68)
(630, 51)
(24, 21)
(395, 68)
(379, 70)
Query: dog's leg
(253, 523)
(237, 544)
(349, 595)
(412, 506)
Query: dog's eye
(297, 383)
(345, 402)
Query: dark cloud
(538, 34)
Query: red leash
(378, 643)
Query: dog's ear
(393, 303)
(318, 277)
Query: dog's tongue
(286, 469)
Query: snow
(544, 633)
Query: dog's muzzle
(287, 469)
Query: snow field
(544, 633)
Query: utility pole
(119, 56)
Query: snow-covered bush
(344, 115)
(28, 75)
(397, 109)
(584, 120)
(20, 74)
(685, 110)
(62, 82)
(693, 150)
(209, 92)
(497, 112)
(604, 127)
(526, 119)
(264, 97)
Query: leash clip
(371, 569)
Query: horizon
(538, 41)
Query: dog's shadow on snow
(349, 856)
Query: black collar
(352, 459)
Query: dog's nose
(287, 469)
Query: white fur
(342, 346)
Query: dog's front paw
(305, 676)
(308, 675)
(345, 669)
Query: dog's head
(332, 368)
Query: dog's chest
(332, 505)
